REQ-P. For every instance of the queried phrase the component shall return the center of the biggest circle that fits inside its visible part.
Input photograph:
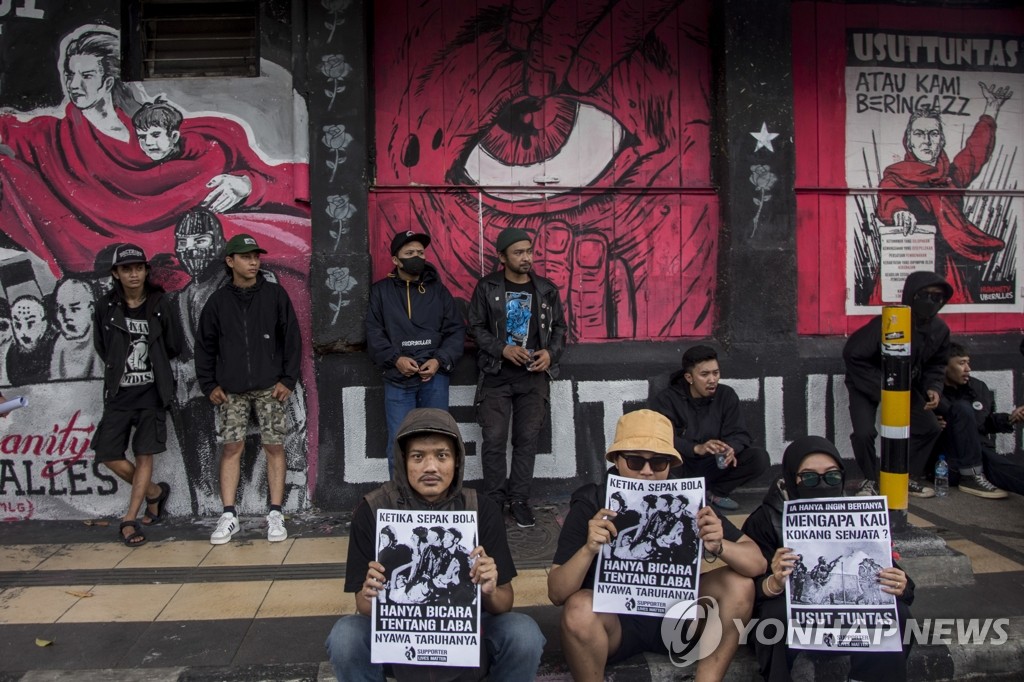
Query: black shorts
(111, 438)
(639, 634)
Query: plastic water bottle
(941, 477)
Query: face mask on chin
(414, 266)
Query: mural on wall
(155, 166)
(932, 114)
(584, 122)
(935, 113)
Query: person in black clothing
(414, 333)
(642, 451)
(429, 465)
(811, 468)
(136, 333)
(247, 358)
(516, 319)
(968, 413)
(708, 425)
(925, 293)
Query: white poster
(428, 611)
(654, 560)
(833, 597)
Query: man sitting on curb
(430, 460)
(968, 410)
(709, 429)
(643, 451)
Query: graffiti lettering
(75, 481)
(27, 9)
(938, 51)
(897, 104)
(71, 438)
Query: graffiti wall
(931, 117)
(175, 167)
(585, 123)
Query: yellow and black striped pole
(894, 478)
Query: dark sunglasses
(636, 462)
(933, 296)
(811, 479)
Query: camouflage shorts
(270, 415)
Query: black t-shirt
(363, 532)
(576, 529)
(520, 329)
(138, 387)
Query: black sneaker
(520, 511)
(980, 486)
(918, 489)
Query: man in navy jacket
(414, 333)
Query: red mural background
(584, 122)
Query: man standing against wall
(247, 358)
(517, 321)
(414, 333)
(925, 292)
(708, 427)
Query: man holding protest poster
(429, 466)
(642, 453)
(813, 469)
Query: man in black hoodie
(430, 461)
(709, 429)
(247, 357)
(925, 293)
(414, 333)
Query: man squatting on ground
(247, 357)
(414, 333)
(967, 411)
(925, 293)
(136, 333)
(430, 461)
(516, 318)
(642, 450)
(708, 424)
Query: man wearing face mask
(414, 333)
(925, 293)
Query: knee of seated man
(729, 587)
(578, 612)
(523, 640)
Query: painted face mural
(85, 81)
(29, 320)
(583, 123)
(74, 308)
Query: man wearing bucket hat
(247, 358)
(643, 450)
(516, 318)
(136, 333)
(414, 333)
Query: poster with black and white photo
(428, 612)
(654, 560)
(833, 596)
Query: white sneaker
(226, 528)
(276, 532)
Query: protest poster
(654, 560)
(833, 597)
(428, 611)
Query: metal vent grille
(198, 38)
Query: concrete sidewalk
(181, 609)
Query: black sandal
(131, 540)
(161, 503)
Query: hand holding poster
(654, 559)
(834, 601)
(428, 610)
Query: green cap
(242, 243)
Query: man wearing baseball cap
(247, 358)
(643, 450)
(136, 333)
(517, 321)
(414, 333)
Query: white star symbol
(764, 138)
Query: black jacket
(977, 392)
(416, 319)
(112, 341)
(698, 420)
(929, 347)
(248, 339)
(487, 321)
